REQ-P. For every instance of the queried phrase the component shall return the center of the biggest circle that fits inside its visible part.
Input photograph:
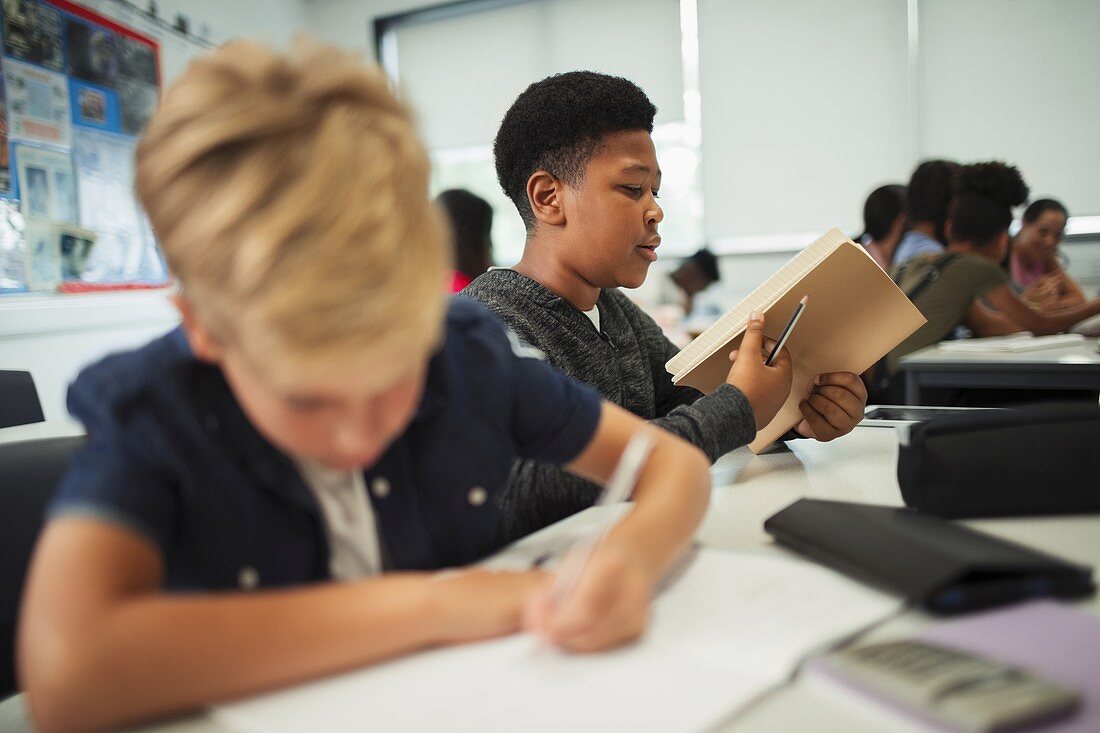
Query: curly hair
(984, 196)
(557, 125)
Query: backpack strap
(935, 269)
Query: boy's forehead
(349, 376)
(630, 151)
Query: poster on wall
(47, 187)
(32, 32)
(38, 103)
(92, 53)
(126, 250)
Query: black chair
(19, 403)
(29, 472)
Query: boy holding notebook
(574, 154)
(321, 416)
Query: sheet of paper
(46, 185)
(126, 250)
(38, 103)
(1012, 344)
(726, 629)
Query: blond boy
(323, 414)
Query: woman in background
(471, 220)
(1033, 262)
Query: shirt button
(477, 496)
(248, 578)
(380, 487)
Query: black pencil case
(997, 463)
(943, 566)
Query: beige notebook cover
(854, 316)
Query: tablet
(887, 416)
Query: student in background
(928, 199)
(949, 288)
(471, 219)
(1033, 258)
(306, 425)
(575, 155)
(883, 223)
(694, 275)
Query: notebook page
(725, 630)
(735, 321)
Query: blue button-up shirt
(171, 456)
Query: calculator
(963, 691)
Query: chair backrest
(19, 403)
(29, 472)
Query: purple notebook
(1047, 637)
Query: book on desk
(856, 314)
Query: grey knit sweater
(625, 361)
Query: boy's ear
(202, 343)
(544, 194)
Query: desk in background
(1074, 367)
(858, 467)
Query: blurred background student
(884, 223)
(471, 220)
(953, 287)
(928, 199)
(669, 297)
(1034, 258)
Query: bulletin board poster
(76, 87)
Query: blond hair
(289, 193)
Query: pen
(787, 331)
(618, 489)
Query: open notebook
(855, 315)
(726, 628)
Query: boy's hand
(480, 604)
(765, 387)
(606, 607)
(833, 406)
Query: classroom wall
(53, 336)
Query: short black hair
(928, 196)
(707, 263)
(984, 196)
(882, 208)
(557, 125)
(471, 220)
(1038, 207)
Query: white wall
(350, 23)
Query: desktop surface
(859, 467)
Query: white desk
(857, 467)
(1068, 367)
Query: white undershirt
(594, 316)
(353, 545)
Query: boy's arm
(102, 645)
(610, 603)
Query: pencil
(787, 331)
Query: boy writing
(574, 154)
(322, 415)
